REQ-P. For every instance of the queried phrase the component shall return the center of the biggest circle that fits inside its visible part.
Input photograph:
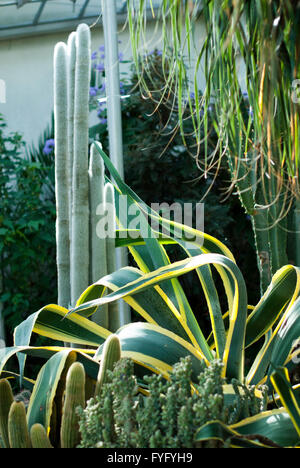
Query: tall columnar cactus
(80, 183)
(61, 174)
(18, 432)
(74, 397)
(98, 265)
(6, 400)
(38, 436)
(110, 355)
(72, 392)
(70, 115)
(82, 256)
(109, 207)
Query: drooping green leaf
(281, 382)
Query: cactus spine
(6, 400)
(38, 436)
(18, 432)
(74, 397)
(110, 355)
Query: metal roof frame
(39, 25)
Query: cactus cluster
(64, 431)
(166, 414)
(82, 255)
(121, 410)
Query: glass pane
(59, 10)
(11, 15)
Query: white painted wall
(26, 67)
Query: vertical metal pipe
(114, 114)
(112, 75)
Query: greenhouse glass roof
(33, 17)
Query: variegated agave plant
(168, 329)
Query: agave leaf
(204, 274)
(218, 431)
(191, 240)
(156, 347)
(266, 429)
(233, 354)
(274, 304)
(279, 304)
(276, 425)
(152, 304)
(52, 321)
(287, 336)
(41, 401)
(281, 382)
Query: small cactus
(74, 396)
(18, 432)
(6, 400)
(111, 354)
(38, 436)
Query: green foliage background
(27, 230)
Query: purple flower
(93, 90)
(156, 51)
(102, 48)
(101, 105)
(100, 67)
(49, 146)
(121, 56)
(94, 56)
(103, 87)
(103, 120)
(122, 88)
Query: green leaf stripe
(281, 382)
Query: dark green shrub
(27, 231)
